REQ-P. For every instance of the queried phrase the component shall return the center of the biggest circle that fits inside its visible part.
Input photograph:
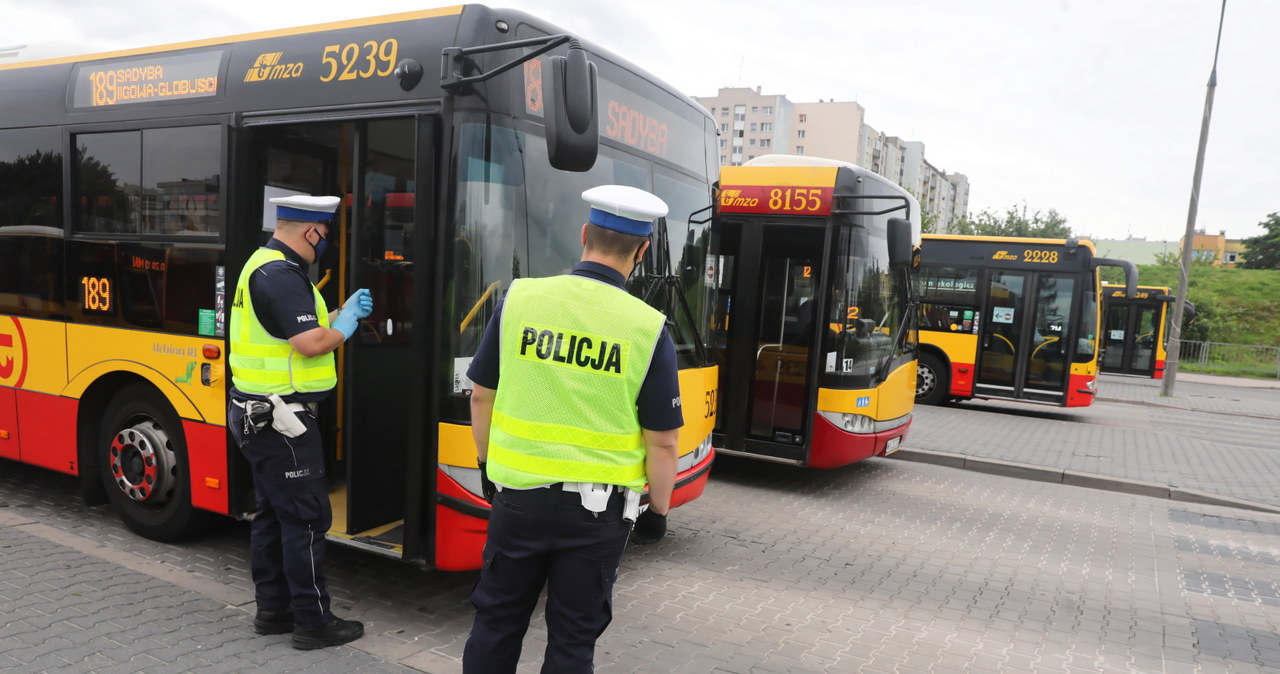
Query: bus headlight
(696, 456)
(857, 423)
(851, 423)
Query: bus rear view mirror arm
(1130, 273)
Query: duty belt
(594, 496)
(309, 408)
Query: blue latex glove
(360, 303)
(346, 322)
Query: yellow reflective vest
(573, 355)
(263, 364)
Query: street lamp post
(1175, 327)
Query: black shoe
(273, 621)
(336, 633)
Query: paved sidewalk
(70, 605)
(1216, 440)
(1241, 396)
(880, 567)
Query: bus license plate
(892, 445)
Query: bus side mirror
(899, 237)
(573, 135)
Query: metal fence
(1239, 357)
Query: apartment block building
(824, 126)
(752, 123)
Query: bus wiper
(913, 306)
(670, 283)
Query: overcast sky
(1090, 107)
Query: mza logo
(269, 67)
(732, 198)
(13, 352)
(1004, 255)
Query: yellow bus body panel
(894, 398)
(457, 446)
(697, 401)
(781, 176)
(960, 347)
(42, 345)
(172, 363)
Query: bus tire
(932, 380)
(142, 456)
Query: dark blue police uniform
(287, 533)
(545, 537)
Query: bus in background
(134, 184)
(1135, 330)
(1008, 318)
(813, 328)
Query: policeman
(282, 343)
(576, 407)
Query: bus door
(1131, 333)
(377, 420)
(769, 299)
(1025, 336)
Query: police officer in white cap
(282, 343)
(576, 408)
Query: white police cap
(624, 209)
(305, 208)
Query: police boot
(273, 621)
(335, 633)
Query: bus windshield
(497, 198)
(866, 312)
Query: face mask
(320, 246)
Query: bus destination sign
(788, 199)
(100, 84)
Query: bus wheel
(144, 466)
(931, 380)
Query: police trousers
(286, 538)
(544, 537)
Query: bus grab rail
(476, 307)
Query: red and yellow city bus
(1135, 330)
(1010, 318)
(814, 326)
(133, 187)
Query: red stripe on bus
(1077, 383)
(48, 431)
(207, 456)
(832, 447)
(459, 537)
(962, 379)
(9, 444)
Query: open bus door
(376, 424)
(767, 335)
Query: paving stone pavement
(884, 566)
(1211, 436)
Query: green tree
(1015, 221)
(1263, 251)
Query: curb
(1073, 478)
